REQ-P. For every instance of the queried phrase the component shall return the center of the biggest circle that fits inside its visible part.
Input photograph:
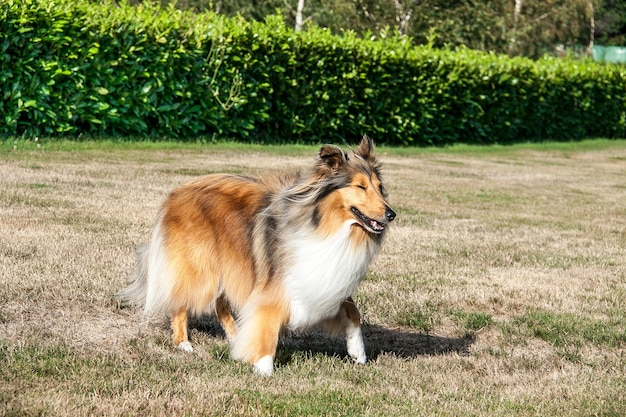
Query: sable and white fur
(267, 254)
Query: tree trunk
(299, 19)
(592, 32)
(402, 17)
(517, 11)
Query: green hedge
(71, 67)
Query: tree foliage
(611, 23)
(543, 26)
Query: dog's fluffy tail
(151, 285)
(136, 292)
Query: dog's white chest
(325, 272)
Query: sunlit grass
(499, 291)
(131, 143)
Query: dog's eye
(362, 187)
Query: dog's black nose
(390, 214)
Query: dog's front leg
(348, 323)
(257, 335)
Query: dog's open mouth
(369, 224)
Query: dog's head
(354, 187)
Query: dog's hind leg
(225, 316)
(179, 330)
(348, 322)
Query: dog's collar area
(371, 225)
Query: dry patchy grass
(500, 291)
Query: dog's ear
(332, 157)
(366, 148)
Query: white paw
(185, 347)
(264, 366)
(358, 357)
(356, 348)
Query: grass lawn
(500, 289)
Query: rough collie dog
(267, 254)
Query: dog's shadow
(379, 341)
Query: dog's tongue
(376, 226)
